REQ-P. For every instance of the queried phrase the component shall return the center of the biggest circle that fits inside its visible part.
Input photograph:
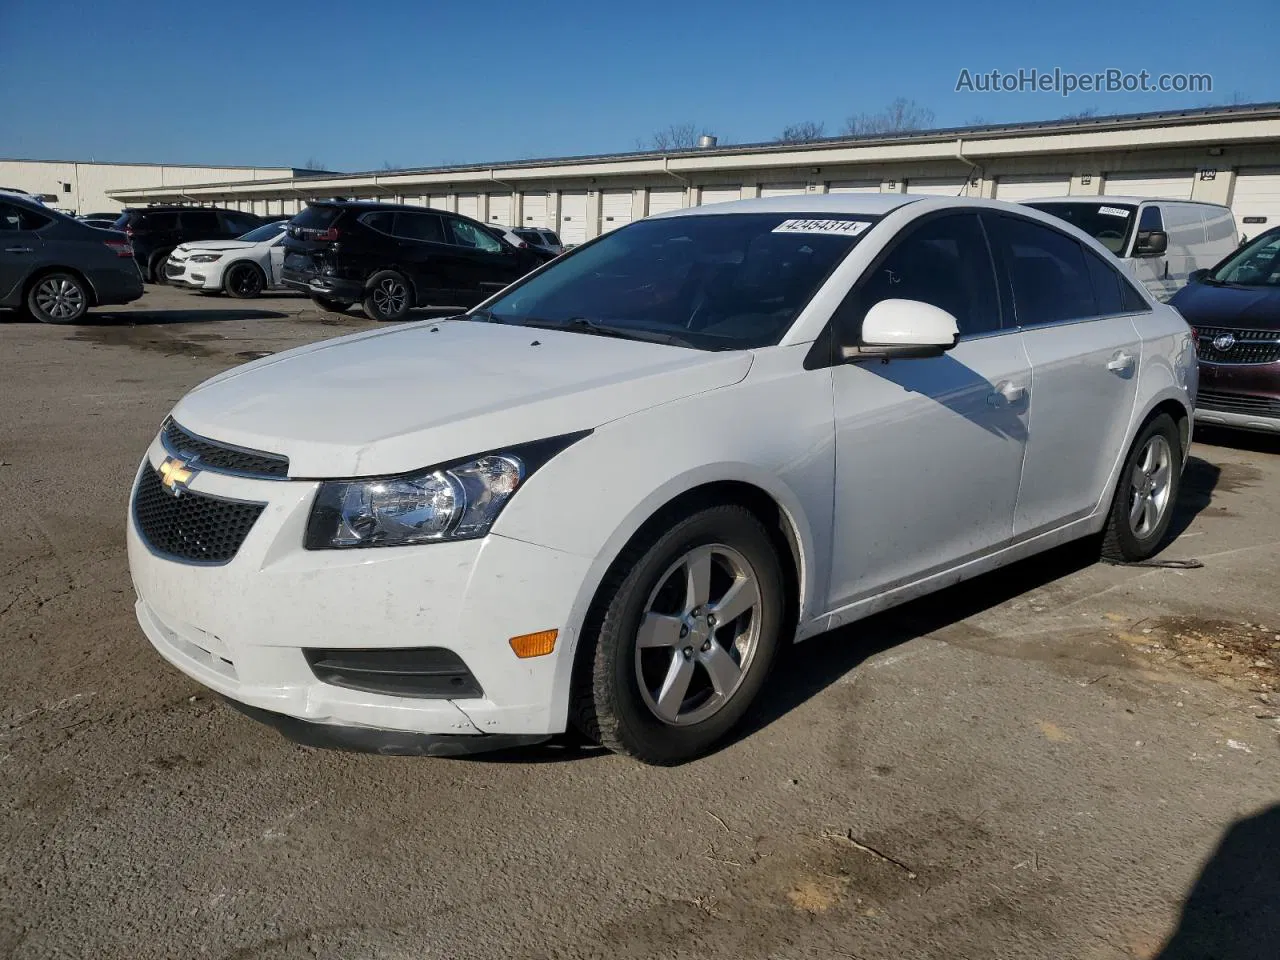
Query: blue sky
(355, 86)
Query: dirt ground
(1063, 759)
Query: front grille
(427, 672)
(193, 527)
(222, 457)
(1237, 403)
(1251, 346)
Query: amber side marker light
(534, 644)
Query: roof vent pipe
(706, 141)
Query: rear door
(20, 247)
(1077, 329)
(424, 254)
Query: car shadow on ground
(149, 318)
(1233, 909)
(1254, 442)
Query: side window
(1047, 273)
(159, 221)
(1131, 301)
(237, 223)
(13, 217)
(469, 235)
(944, 262)
(1106, 284)
(381, 220)
(419, 226)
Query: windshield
(715, 282)
(1255, 265)
(1108, 223)
(267, 231)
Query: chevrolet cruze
(604, 497)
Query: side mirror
(1195, 276)
(904, 328)
(1151, 244)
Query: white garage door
(720, 194)
(1029, 188)
(535, 210)
(937, 186)
(664, 199)
(469, 204)
(439, 201)
(782, 189)
(615, 209)
(1169, 186)
(500, 209)
(853, 186)
(1256, 197)
(573, 217)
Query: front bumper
(1258, 423)
(197, 276)
(1242, 396)
(240, 628)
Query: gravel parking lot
(1063, 759)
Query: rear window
(317, 217)
(1108, 223)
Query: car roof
(875, 204)
(1108, 198)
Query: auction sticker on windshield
(845, 228)
(1114, 211)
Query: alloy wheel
(698, 635)
(60, 298)
(1149, 487)
(389, 296)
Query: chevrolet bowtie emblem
(175, 475)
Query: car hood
(196, 245)
(1203, 304)
(389, 401)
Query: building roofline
(652, 161)
(189, 166)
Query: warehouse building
(1225, 155)
(79, 187)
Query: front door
(1077, 326)
(482, 264)
(928, 451)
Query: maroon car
(1234, 309)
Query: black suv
(392, 258)
(155, 231)
(55, 268)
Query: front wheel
(387, 297)
(686, 630)
(58, 298)
(244, 281)
(1142, 507)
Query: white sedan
(608, 494)
(241, 268)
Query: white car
(605, 496)
(241, 268)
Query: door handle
(17, 249)
(1006, 392)
(1121, 363)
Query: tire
(156, 270)
(58, 298)
(333, 306)
(244, 281)
(627, 694)
(388, 297)
(1143, 504)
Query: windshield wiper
(484, 316)
(583, 325)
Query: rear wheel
(1142, 507)
(387, 297)
(156, 270)
(58, 298)
(685, 631)
(244, 281)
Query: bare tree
(313, 164)
(804, 132)
(677, 136)
(902, 114)
(978, 121)
(1085, 114)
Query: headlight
(455, 501)
(206, 257)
